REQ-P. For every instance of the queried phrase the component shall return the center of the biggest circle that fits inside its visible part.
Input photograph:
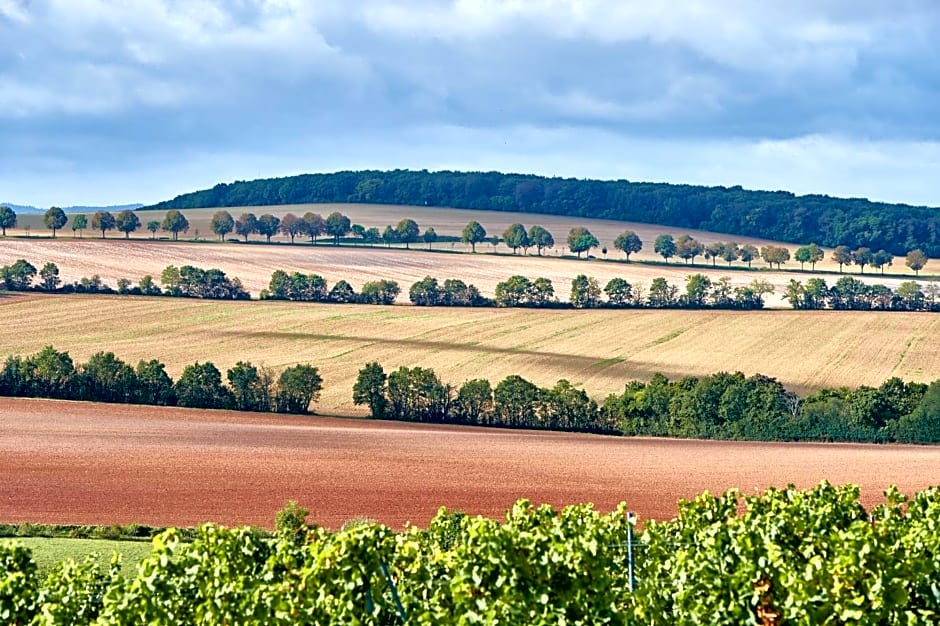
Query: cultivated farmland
(67, 462)
(597, 349)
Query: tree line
(720, 406)
(851, 294)
(776, 215)
(51, 373)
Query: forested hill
(777, 215)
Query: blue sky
(107, 102)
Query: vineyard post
(631, 520)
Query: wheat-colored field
(447, 221)
(597, 349)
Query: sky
(112, 102)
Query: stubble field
(599, 350)
(80, 463)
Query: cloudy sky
(118, 101)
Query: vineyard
(783, 556)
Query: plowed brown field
(79, 463)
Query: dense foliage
(784, 556)
(720, 406)
(851, 294)
(105, 378)
(776, 215)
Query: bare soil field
(253, 264)
(445, 221)
(80, 463)
(599, 350)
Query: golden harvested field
(598, 349)
(448, 221)
(253, 264)
(83, 463)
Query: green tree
(665, 246)
(862, 257)
(564, 407)
(515, 237)
(154, 385)
(473, 233)
(775, 255)
(106, 378)
(696, 289)
(314, 225)
(619, 292)
(662, 294)
(248, 392)
(337, 225)
(540, 238)
(291, 226)
(747, 253)
(379, 292)
(370, 389)
(429, 236)
(581, 240)
(222, 224)
(170, 279)
(153, 226)
(880, 259)
(687, 248)
(268, 225)
(408, 232)
(127, 222)
(541, 292)
(714, 251)
(417, 394)
(200, 386)
(18, 276)
(49, 374)
(389, 236)
(103, 221)
(148, 287)
(79, 223)
(291, 522)
(343, 293)
(761, 288)
(916, 260)
(7, 219)
(174, 222)
(514, 291)
(297, 388)
(731, 252)
(49, 275)
(516, 401)
(842, 255)
(811, 254)
(246, 224)
(585, 292)
(474, 402)
(54, 219)
(425, 292)
(923, 424)
(628, 242)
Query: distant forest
(777, 215)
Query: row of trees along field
(721, 406)
(782, 556)
(777, 215)
(851, 294)
(515, 237)
(105, 378)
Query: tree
(18, 276)
(862, 257)
(619, 292)
(665, 246)
(7, 219)
(514, 291)
(379, 292)
(337, 225)
(170, 279)
(661, 293)
(687, 248)
(291, 225)
(79, 223)
(731, 252)
(106, 378)
(408, 232)
(714, 251)
(154, 385)
(516, 401)
(775, 255)
(373, 236)
(880, 259)
(343, 293)
(248, 394)
(370, 389)
(541, 293)
(916, 260)
(696, 288)
(389, 236)
(314, 225)
(246, 224)
(585, 292)
(417, 394)
(148, 287)
(174, 222)
(200, 386)
(268, 225)
(455, 292)
(54, 219)
(103, 221)
(127, 222)
(628, 242)
(842, 255)
(474, 403)
(473, 233)
(153, 226)
(809, 254)
(425, 292)
(297, 387)
(516, 237)
(761, 288)
(540, 238)
(747, 253)
(49, 274)
(429, 236)
(222, 224)
(581, 240)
